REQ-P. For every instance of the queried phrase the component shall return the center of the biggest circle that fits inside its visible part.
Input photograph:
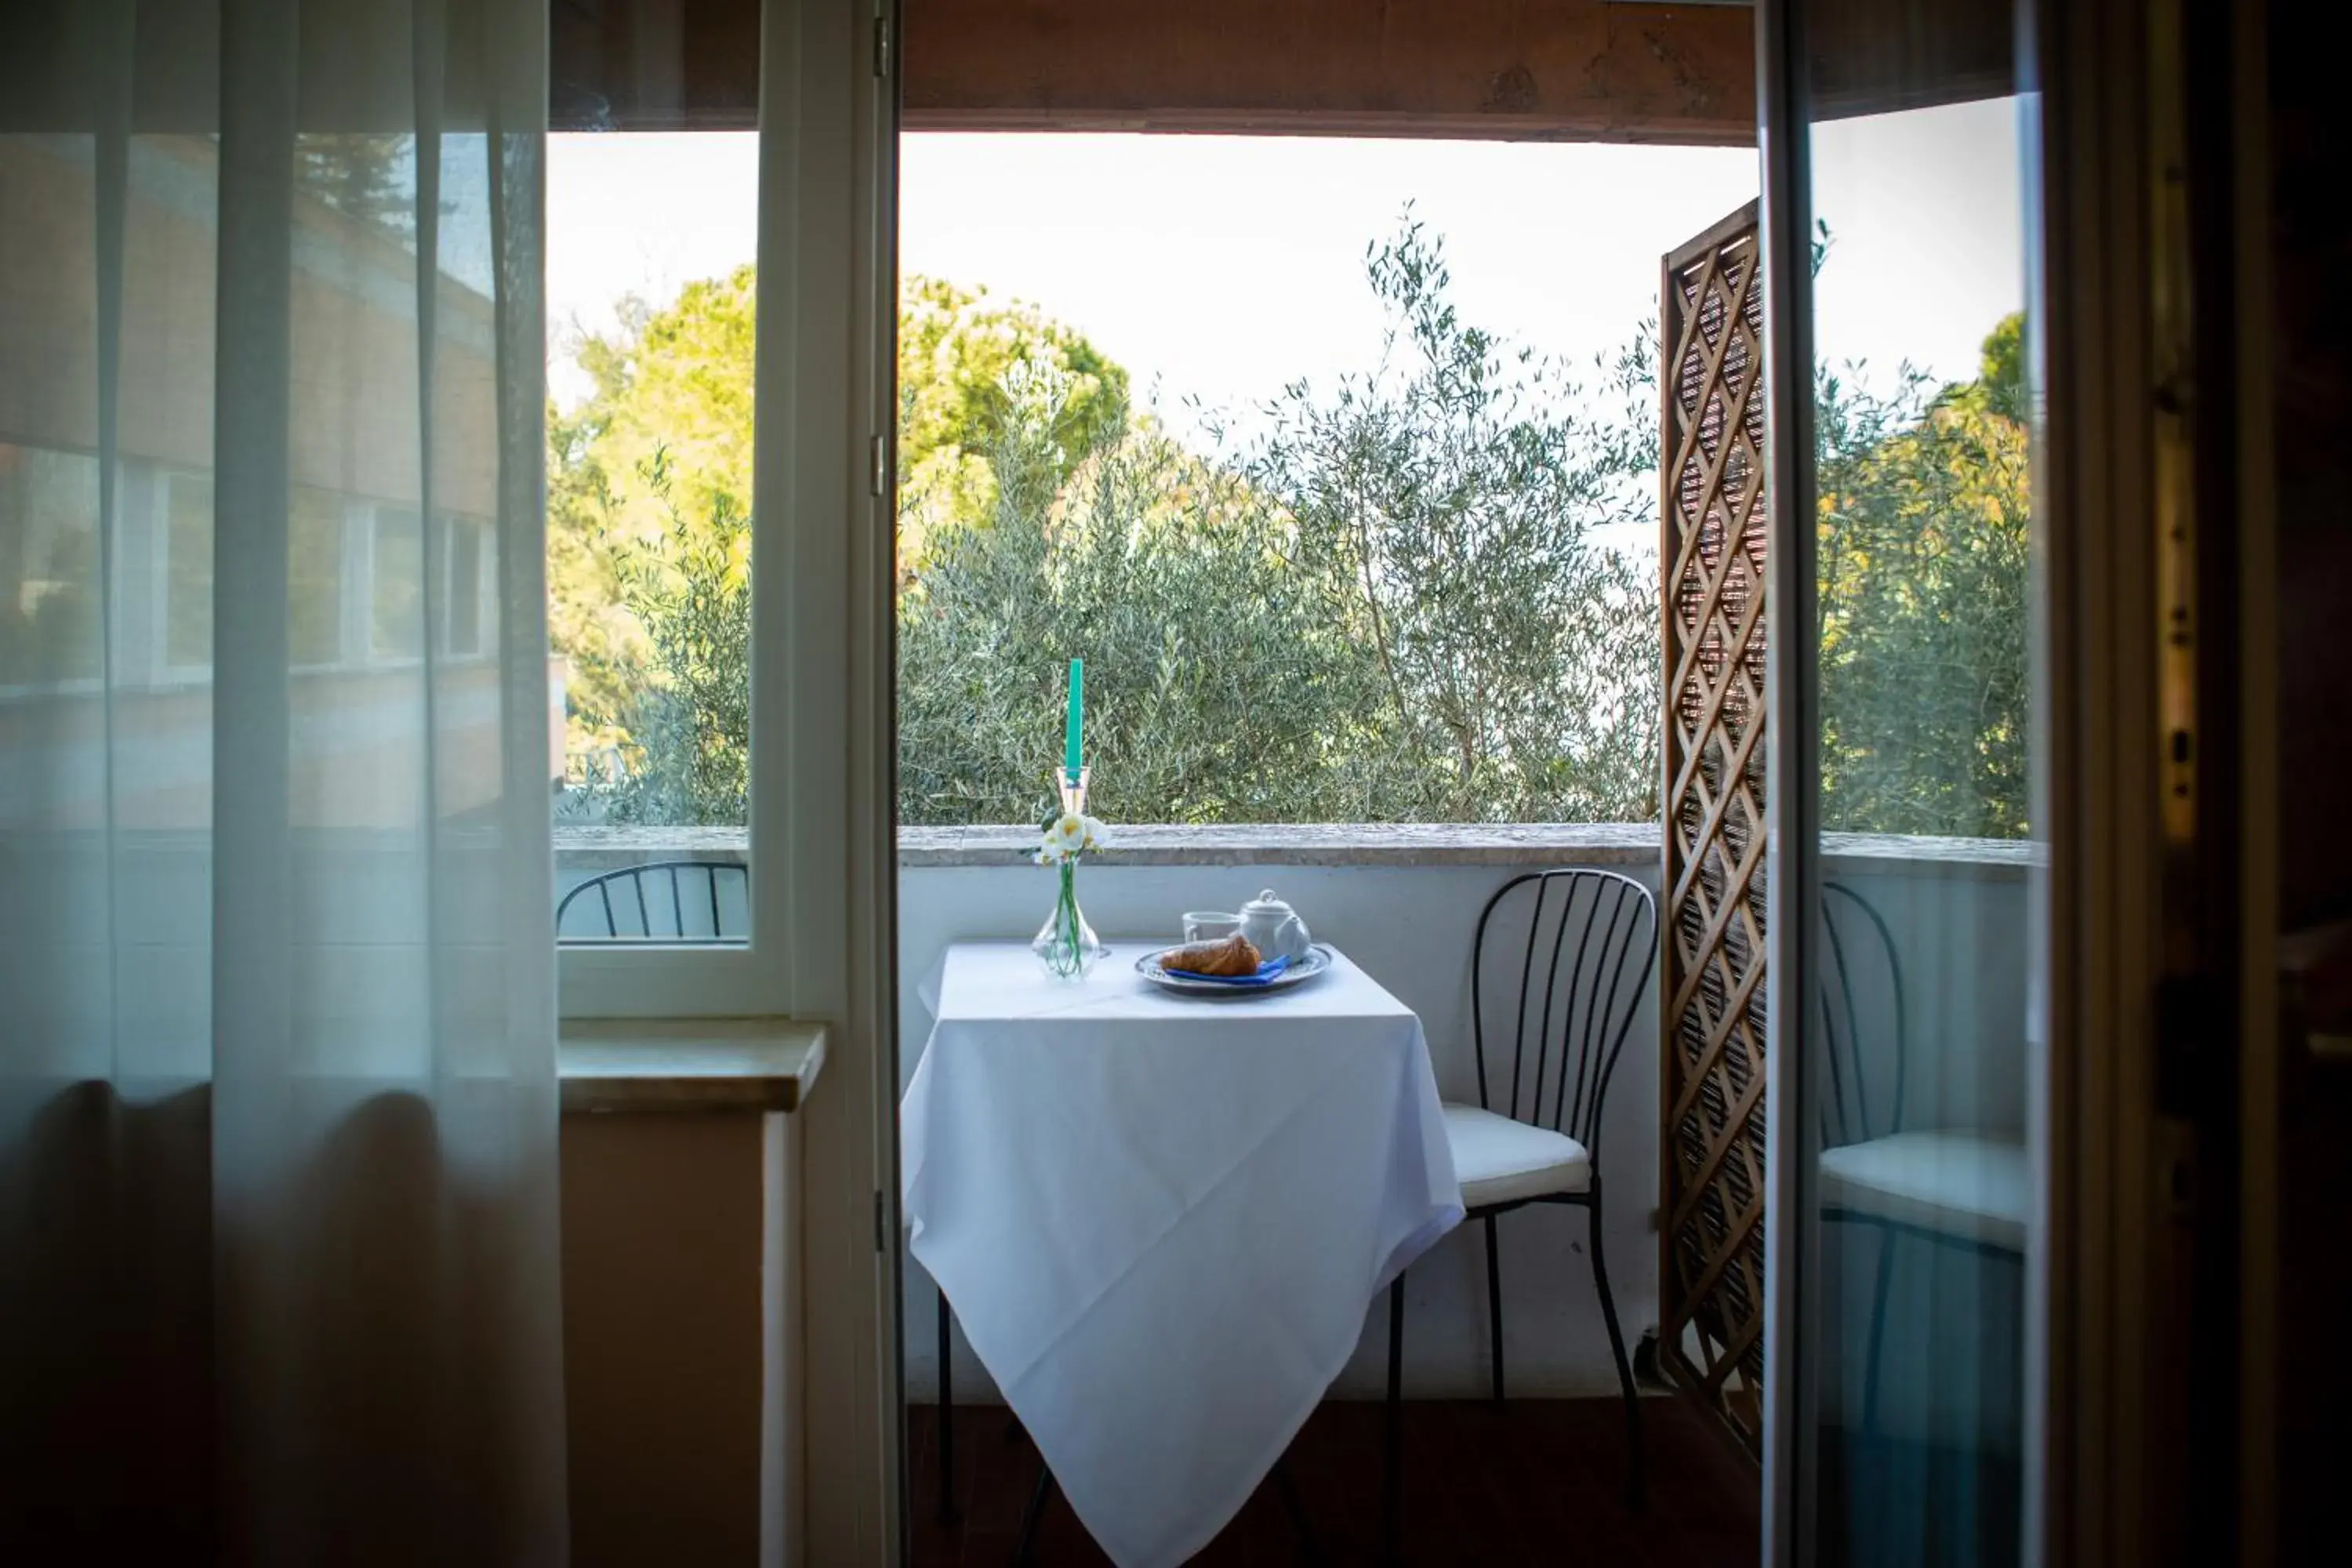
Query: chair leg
(1394, 1478)
(1637, 1492)
(947, 1417)
(1025, 1550)
(1310, 1549)
(1495, 1303)
(1886, 1236)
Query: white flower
(1070, 835)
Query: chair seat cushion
(1500, 1160)
(1971, 1186)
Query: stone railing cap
(1305, 844)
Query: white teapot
(1274, 928)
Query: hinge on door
(882, 46)
(876, 466)
(878, 1227)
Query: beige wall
(679, 1337)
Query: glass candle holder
(1065, 944)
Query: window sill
(671, 1065)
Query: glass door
(1905, 884)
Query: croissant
(1235, 955)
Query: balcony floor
(1526, 1482)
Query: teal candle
(1077, 721)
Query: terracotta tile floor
(1528, 1481)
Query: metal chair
(1547, 1043)
(1958, 1188)
(1846, 1110)
(683, 891)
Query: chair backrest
(659, 902)
(1571, 953)
(1863, 1023)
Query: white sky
(1223, 266)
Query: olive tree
(1449, 508)
(1217, 688)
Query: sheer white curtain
(277, 1116)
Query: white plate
(1317, 960)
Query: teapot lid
(1266, 901)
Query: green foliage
(672, 390)
(1446, 506)
(687, 717)
(1386, 608)
(676, 380)
(368, 175)
(1216, 689)
(1926, 556)
(588, 622)
(663, 436)
(966, 370)
(2000, 381)
(1396, 602)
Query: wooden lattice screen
(1711, 552)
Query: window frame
(374, 652)
(809, 443)
(342, 641)
(455, 525)
(359, 523)
(822, 808)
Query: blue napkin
(1267, 975)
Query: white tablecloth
(1160, 1219)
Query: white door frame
(828, 165)
(2102, 1397)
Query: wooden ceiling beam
(1586, 71)
(1539, 70)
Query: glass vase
(1065, 944)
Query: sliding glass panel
(1918, 1008)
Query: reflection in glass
(1918, 1013)
(188, 571)
(399, 583)
(314, 606)
(1924, 555)
(48, 566)
(368, 178)
(467, 539)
